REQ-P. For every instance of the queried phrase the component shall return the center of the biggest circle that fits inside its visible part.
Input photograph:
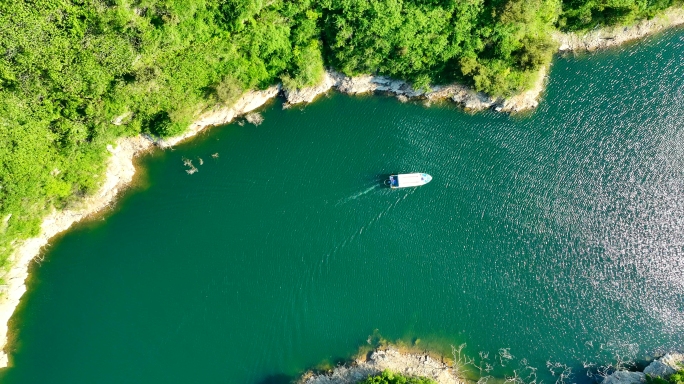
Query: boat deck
(409, 180)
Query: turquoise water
(558, 235)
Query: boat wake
(357, 195)
(358, 233)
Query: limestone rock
(409, 364)
(665, 366)
(357, 85)
(459, 93)
(223, 114)
(611, 36)
(625, 377)
(307, 95)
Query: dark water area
(557, 236)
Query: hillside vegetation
(77, 74)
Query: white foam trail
(356, 196)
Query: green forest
(69, 69)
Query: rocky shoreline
(601, 38)
(458, 93)
(120, 168)
(662, 367)
(408, 364)
(413, 364)
(472, 100)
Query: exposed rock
(625, 377)
(223, 114)
(411, 364)
(666, 365)
(458, 93)
(254, 118)
(612, 36)
(356, 85)
(528, 99)
(119, 120)
(307, 95)
(408, 364)
(662, 367)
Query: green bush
(228, 90)
(677, 377)
(587, 14)
(388, 377)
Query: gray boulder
(665, 366)
(625, 377)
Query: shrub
(388, 377)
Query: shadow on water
(383, 179)
(324, 366)
(277, 379)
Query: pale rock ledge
(458, 93)
(601, 38)
(408, 364)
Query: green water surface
(558, 235)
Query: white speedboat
(404, 180)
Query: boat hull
(404, 180)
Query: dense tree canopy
(583, 14)
(77, 74)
